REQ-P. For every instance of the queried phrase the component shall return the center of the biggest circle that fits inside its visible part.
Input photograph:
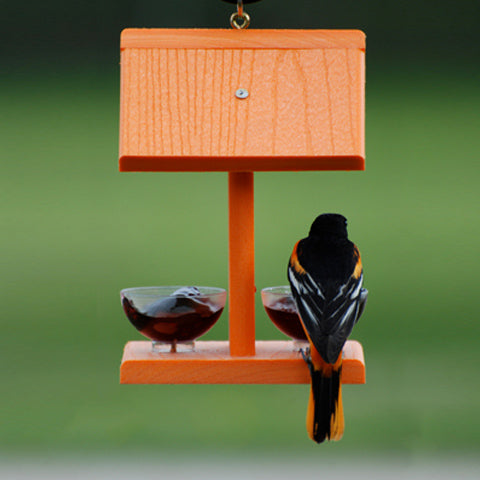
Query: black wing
(328, 320)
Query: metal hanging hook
(240, 19)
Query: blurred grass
(75, 231)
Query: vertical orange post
(241, 264)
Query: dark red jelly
(173, 319)
(283, 314)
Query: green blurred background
(75, 231)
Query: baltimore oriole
(326, 276)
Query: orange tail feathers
(325, 419)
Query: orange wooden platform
(275, 362)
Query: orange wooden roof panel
(304, 111)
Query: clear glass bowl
(282, 311)
(173, 317)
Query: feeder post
(241, 264)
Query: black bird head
(330, 224)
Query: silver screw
(242, 93)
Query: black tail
(325, 410)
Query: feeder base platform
(275, 362)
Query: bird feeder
(239, 101)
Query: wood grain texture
(179, 112)
(251, 38)
(275, 362)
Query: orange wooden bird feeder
(239, 101)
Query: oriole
(326, 277)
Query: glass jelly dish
(173, 317)
(282, 311)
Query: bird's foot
(307, 357)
